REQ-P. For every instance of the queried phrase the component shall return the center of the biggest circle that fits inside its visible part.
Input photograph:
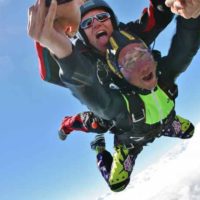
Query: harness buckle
(139, 119)
(129, 146)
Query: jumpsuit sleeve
(152, 21)
(48, 68)
(78, 73)
(184, 46)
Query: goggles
(48, 2)
(101, 17)
(136, 54)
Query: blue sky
(34, 163)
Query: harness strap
(171, 90)
(135, 107)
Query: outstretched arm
(48, 27)
(41, 28)
(152, 21)
(184, 46)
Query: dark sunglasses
(48, 2)
(101, 17)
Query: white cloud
(175, 176)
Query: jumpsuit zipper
(158, 106)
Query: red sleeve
(48, 68)
(151, 22)
(42, 70)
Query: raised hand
(185, 8)
(48, 26)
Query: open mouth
(148, 77)
(101, 34)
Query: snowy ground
(176, 176)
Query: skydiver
(67, 65)
(150, 91)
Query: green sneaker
(98, 144)
(179, 128)
(62, 135)
(122, 165)
(183, 127)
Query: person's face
(68, 16)
(138, 66)
(98, 33)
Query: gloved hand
(86, 122)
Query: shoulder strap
(134, 103)
(171, 89)
(135, 107)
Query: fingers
(41, 28)
(188, 9)
(31, 21)
(36, 19)
(49, 21)
(185, 8)
(179, 4)
(40, 16)
(30, 11)
(196, 4)
(196, 14)
(41, 9)
(169, 3)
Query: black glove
(86, 122)
(93, 123)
